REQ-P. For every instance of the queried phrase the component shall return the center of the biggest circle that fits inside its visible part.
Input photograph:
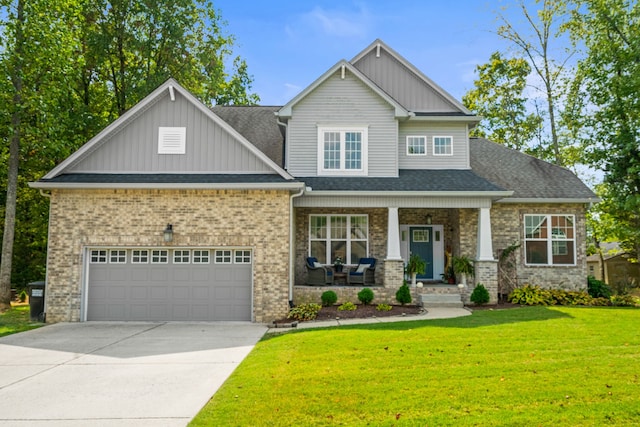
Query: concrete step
(441, 300)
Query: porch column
(393, 235)
(485, 246)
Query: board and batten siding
(460, 141)
(134, 146)
(402, 84)
(342, 102)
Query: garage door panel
(166, 292)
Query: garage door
(160, 284)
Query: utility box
(36, 301)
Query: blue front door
(421, 243)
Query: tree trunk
(14, 158)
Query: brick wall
(135, 218)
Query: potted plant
(337, 264)
(463, 266)
(449, 276)
(415, 266)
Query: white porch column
(393, 235)
(485, 246)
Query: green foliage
(304, 312)
(624, 301)
(16, 320)
(480, 295)
(403, 295)
(531, 295)
(348, 306)
(463, 265)
(416, 264)
(329, 298)
(597, 288)
(383, 307)
(365, 296)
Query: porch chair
(318, 274)
(364, 273)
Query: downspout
(46, 268)
(292, 232)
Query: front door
(421, 243)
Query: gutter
(292, 231)
(166, 186)
(589, 200)
(354, 193)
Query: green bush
(383, 307)
(597, 288)
(623, 301)
(531, 295)
(304, 312)
(329, 298)
(600, 302)
(480, 295)
(348, 306)
(365, 296)
(404, 294)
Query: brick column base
(393, 273)
(486, 272)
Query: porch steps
(441, 300)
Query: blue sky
(288, 44)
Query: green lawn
(523, 367)
(16, 320)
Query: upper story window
(549, 239)
(172, 140)
(342, 151)
(442, 146)
(416, 145)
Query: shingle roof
(527, 176)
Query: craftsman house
(178, 211)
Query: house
(614, 266)
(177, 211)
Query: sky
(287, 44)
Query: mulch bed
(362, 312)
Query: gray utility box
(36, 301)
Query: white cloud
(338, 23)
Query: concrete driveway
(118, 374)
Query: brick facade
(253, 219)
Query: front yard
(525, 366)
(16, 320)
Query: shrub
(304, 312)
(365, 296)
(329, 298)
(404, 294)
(348, 306)
(480, 294)
(383, 307)
(531, 295)
(600, 302)
(623, 301)
(597, 288)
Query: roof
(529, 178)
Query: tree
(610, 31)
(499, 99)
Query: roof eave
(448, 118)
(559, 200)
(166, 186)
(349, 193)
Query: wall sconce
(429, 219)
(168, 233)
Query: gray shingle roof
(527, 176)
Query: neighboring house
(613, 267)
(181, 212)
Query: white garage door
(160, 284)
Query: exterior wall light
(428, 219)
(168, 233)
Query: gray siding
(345, 102)
(402, 84)
(458, 132)
(134, 146)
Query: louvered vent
(172, 140)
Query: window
(342, 151)
(442, 146)
(416, 145)
(344, 236)
(99, 256)
(223, 257)
(181, 256)
(172, 140)
(201, 256)
(139, 256)
(549, 239)
(117, 257)
(159, 256)
(243, 257)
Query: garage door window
(117, 257)
(200, 256)
(223, 257)
(159, 257)
(243, 257)
(98, 256)
(140, 256)
(181, 256)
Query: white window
(342, 151)
(201, 256)
(172, 140)
(549, 239)
(117, 257)
(243, 257)
(139, 256)
(99, 256)
(416, 145)
(159, 256)
(442, 146)
(344, 236)
(223, 256)
(181, 256)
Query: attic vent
(172, 140)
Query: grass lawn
(16, 320)
(523, 367)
